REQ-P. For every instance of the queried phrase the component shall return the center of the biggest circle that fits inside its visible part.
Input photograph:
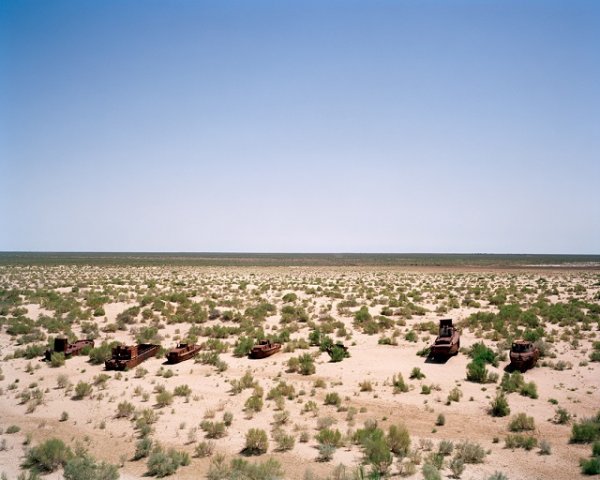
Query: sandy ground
(92, 421)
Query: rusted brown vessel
(129, 356)
(523, 355)
(448, 340)
(263, 349)
(62, 345)
(183, 351)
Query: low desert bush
(521, 422)
(257, 442)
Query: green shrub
(377, 453)
(398, 440)
(164, 398)
(306, 364)
(162, 463)
(125, 409)
(48, 456)
(57, 359)
(399, 384)
(182, 391)
(521, 422)
(142, 448)
(213, 429)
(253, 404)
(333, 398)
(470, 452)
(520, 441)
(477, 372)
(416, 373)
(82, 390)
(337, 353)
(441, 420)
(328, 436)
(529, 390)
(499, 406)
(204, 449)
(591, 466)
(257, 442)
(587, 430)
(85, 467)
(13, 429)
(512, 382)
(243, 346)
(457, 467)
(430, 472)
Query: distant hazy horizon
(314, 126)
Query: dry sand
(92, 421)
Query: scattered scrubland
(384, 410)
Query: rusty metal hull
(182, 353)
(264, 351)
(143, 352)
(68, 349)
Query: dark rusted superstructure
(183, 351)
(129, 356)
(264, 348)
(448, 340)
(62, 345)
(523, 355)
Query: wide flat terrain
(383, 314)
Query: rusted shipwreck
(62, 345)
(128, 356)
(447, 342)
(523, 355)
(264, 348)
(182, 352)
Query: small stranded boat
(62, 345)
(183, 351)
(448, 340)
(264, 348)
(129, 356)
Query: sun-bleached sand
(92, 422)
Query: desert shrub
(253, 404)
(416, 373)
(445, 448)
(13, 429)
(239, 468)
(125, 409)
(333, 398)
(430, 472)
(399, 384)
(293, 364)
(337, 353)
(62, 381)
(521, 422)
(289, 297)
(477, 371)
(82, 390)
(562, 416)
(591, 466)
(204, 449)
(529, 390)
(329, 436)
(586, 430)
(441, 420)
(284, 441)
(365, 386)
(479, 352)
(520, 441)
(377, 453)
(213, 429)
(545, 448)
(306, 364)
(182, 391)
(454, 395)
(497, 476)
(257, 442)
(282, 389)
(85, 467)
(57, 359)
(398, 440)
(457, 467)
(164, 398)
(227, 418)
(48, 456)
(64, 416)
(101, 353)
(596, 449)
(162, 463)
(470, 452)
(243, 346)
(512, 382)
(499, 406)
(143, 447)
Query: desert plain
(320, 418)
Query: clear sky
(300, 126)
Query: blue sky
(326, 126)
